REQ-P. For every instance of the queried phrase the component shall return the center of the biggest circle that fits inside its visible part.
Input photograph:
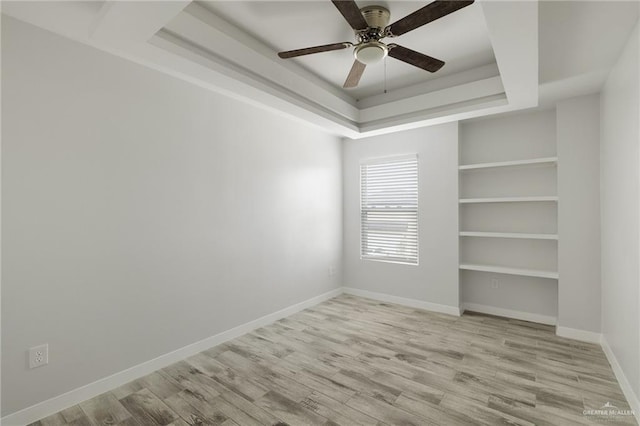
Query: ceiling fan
(370, 25)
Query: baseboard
(414, 303)
(73, 397)
(520, 315)
(576, 334)
(627, 390)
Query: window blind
(389, 209)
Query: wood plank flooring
(355, 361)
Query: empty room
(320, 212)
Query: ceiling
(490, 49)
(580, 37)
(460, 39)
(500, 55)
(579, 42)
(231, 48)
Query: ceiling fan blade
(429, 13)
(315, 49)
(414, 58)
(354, 75)
(351, 12)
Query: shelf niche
(508, 173)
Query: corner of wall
(625, 385)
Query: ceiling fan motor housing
(370, 50)
(376, 16)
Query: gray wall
(578, 127)
(435, 279)
(620, 210)
(142, 214)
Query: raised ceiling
(460, 39)
(490, 49)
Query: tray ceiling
(490, 49)
(460, 39)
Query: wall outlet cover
(39, 356)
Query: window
(389, 209)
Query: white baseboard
(576, 334)
(414, 303)
(627, 390)
(520, 315)
(73, 397)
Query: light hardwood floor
(355, 361)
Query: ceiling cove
(490, 50)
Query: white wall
(142, 214)
(578, 127)
(620, 210)
(520, 136)
(435, 279)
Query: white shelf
(511, 271)
(535, 161)
(508, 199)
(509, 235)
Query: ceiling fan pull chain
(385, 75)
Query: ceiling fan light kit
(370, 25)
(370, 53)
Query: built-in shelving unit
(547, 161)
(519, 235)
(480, 256)
(509, 199)
(511, 271)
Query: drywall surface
(142, 213)
(517, 136)
(579, 295)
(620, 210)
(435, 279)
(521, 295)
(522, 136)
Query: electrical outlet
(39, 356)
(331, 271)
(494, 283)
